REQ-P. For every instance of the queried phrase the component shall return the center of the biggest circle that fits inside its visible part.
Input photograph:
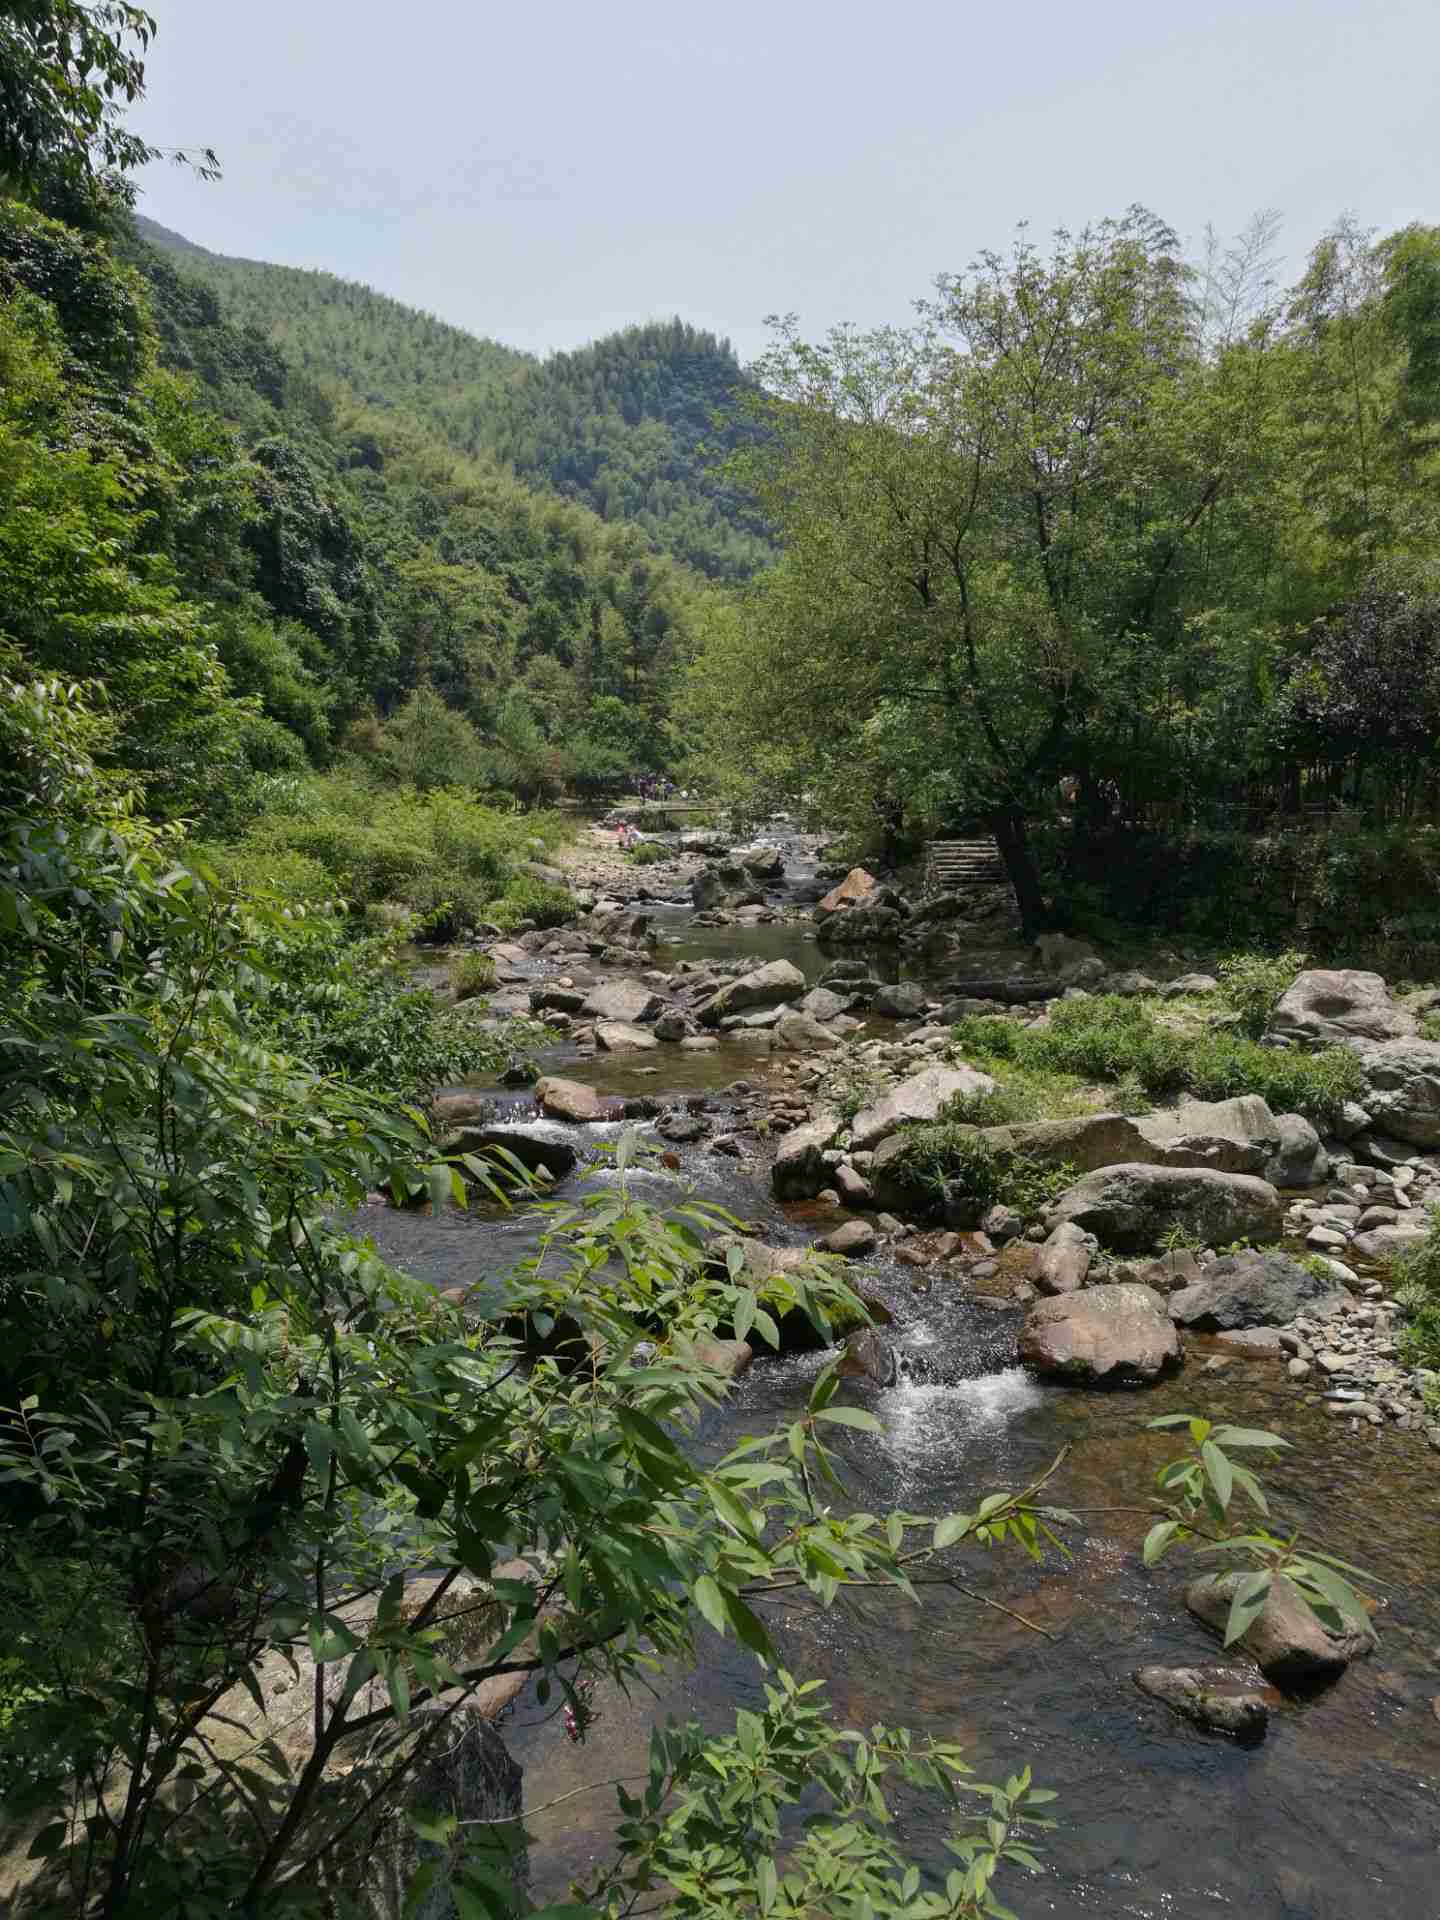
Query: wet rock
(916, 1101)
(852, 1186)
(800, 1170)
(1129, 1208)
(1254, 1289)
(460, 1109)
(1402, 1089)
(870, 1355)
(699, 1043)
(763, 986)
(855, 1239)
(1219, 1699)
(1064, 1260)
(616, 1036)
(625, 1001)
(730, 1357)
(1108, 1335)
(1330, 1006)
(537, 1153)
(680, 1128)
(1285, 1640)
(570, 1100)
(902, 1000)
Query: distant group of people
(654, 786)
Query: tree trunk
(1010, 837)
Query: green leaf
(952, 1528)
(711, 1602)
(1247, 1437)
(1217, 1467)
(1251, 1594)
(851, 1417)
(765, 1883)
(1158, 1539)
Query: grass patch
(1251, 985)
(649, 853)
(470, 974)
(1414, 1279)
(947, 1160)
(1122, 1042)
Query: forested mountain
(633, 427)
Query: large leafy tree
(999, 526)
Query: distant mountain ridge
(634, 426)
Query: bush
(947, 1158)
(1252, 983)
(649, 853)
(471, 974)
(1121, 1041)
(529, 899)
(1415, 1281)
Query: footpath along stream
(1334, 1816)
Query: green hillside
(632, 427)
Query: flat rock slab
(624, 1000)
(1130, 1208)
(1102, 1336)
(617, 1036)
(917, 1101)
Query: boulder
(536, 1152)
(798, 1033)
(765, 986)
(852, 1186)
(855, 1239)
(1383, 1243)
(764, 863)
(867, 925)
(1300, 1160)
(821, 1004)
(900, 1000)
(857, 885)
(1402, 1089)
(556, 1000)
(1110, 1335)
(1222, 1700)
(1064, 1260)
(1094, 1141)
(628, 1001)
(1129, 1208)
(1065, 956)
(1002, 1225)
(799, 1171)
(1254, 1290)
(1130, 985)
(1232, 1136)
(730, 1357)
(870, 1356)
(915, 1102)
(1285, 1640)
(570, 1100)
(1327, 1006)
(672, 1025)
(618, 1036)
(1199, 983)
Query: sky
(546, 174)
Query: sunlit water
(1336, 1816)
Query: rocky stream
(1335, 1813)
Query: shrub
(1415, 1281)
(649, 853)
(530, 899)
(470, 974)
(1252, 983)
(947, 1158)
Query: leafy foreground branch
(280, 1522)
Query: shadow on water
(1336, 1816)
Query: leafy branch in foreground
(1199, 1487)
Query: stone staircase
(953, 865)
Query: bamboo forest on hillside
(719, 1078)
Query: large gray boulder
(1285, 1640)
(900, 1000)
(799, 1170)
(619, 1036)
(766, 986)
(1129, 1208)
(1254, 1290)
(1326, 1007)
(1300, 1160)
(1103, 1336)
(630, 1001)
(763, 863)
(571, 1100)
(822, 1004)
(1402, 1089)
(797, 1032)
(1095, 1140)
(917, 1101)
(1232, 1136)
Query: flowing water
(1335, 1816)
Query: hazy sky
(547, 173)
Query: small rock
(855, 1239)
(1221, 1700)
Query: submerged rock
(870, 1355)
(1220, 1699)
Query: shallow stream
(1335, 1816)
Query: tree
(68, 71)
(998, 524)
